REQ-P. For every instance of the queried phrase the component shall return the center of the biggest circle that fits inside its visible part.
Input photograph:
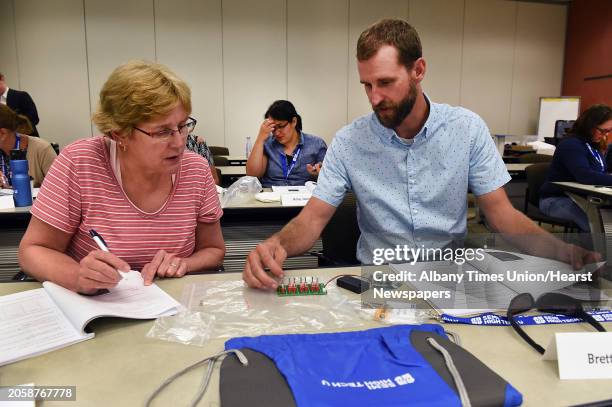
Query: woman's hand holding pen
(98, 270)
(164, 264)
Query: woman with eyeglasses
(578, 159)
(14, 130)
(282, 153)
(154, 204)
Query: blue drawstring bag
(392, 366)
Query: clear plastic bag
(241, 191)
(226, 309)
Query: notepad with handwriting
(476, 293)
(45, 319)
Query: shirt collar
(5, 94)
(389, 134)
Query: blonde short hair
(136, 92)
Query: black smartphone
(353, 284)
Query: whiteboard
(553, 109)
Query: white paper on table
(295, 199)
(284, 189)
(268, 196)
(6, 201)
(32, 324)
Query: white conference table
(232, 170)
(517, 167)
(120, 366)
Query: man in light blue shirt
(409, 164)
(411, 189)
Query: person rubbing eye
(282, 153)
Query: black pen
(102, 245)
(99, 240)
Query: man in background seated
(20, 101)
(409, 164)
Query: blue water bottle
(22, 190)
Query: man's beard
(399, 111)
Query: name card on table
(6, 199)
(295, 199)
(582, 355)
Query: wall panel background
(53, 66)
(188, 38)
(492, 56)
(317, 64)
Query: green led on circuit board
(299, 286)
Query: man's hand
(577, 256)
(268, 254)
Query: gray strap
(463, 394)
(205, 380)
(454, 337)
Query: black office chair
(535, 158)
(536, 176)
(220, 161)
(339, 238)
(216, 150)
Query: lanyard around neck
(287, 171)
(597, 157)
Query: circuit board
(300, 286)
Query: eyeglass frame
(553, 308)
(277, 127)
(156, 136)
(604, 132)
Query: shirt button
(415, 211)
(412, 181)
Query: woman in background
(13, 135)
(578, 159)
(282, 153)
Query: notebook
(477, 294)
(45, 319)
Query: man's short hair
(394, 32)
(136, 92)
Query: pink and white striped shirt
(81, 192)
